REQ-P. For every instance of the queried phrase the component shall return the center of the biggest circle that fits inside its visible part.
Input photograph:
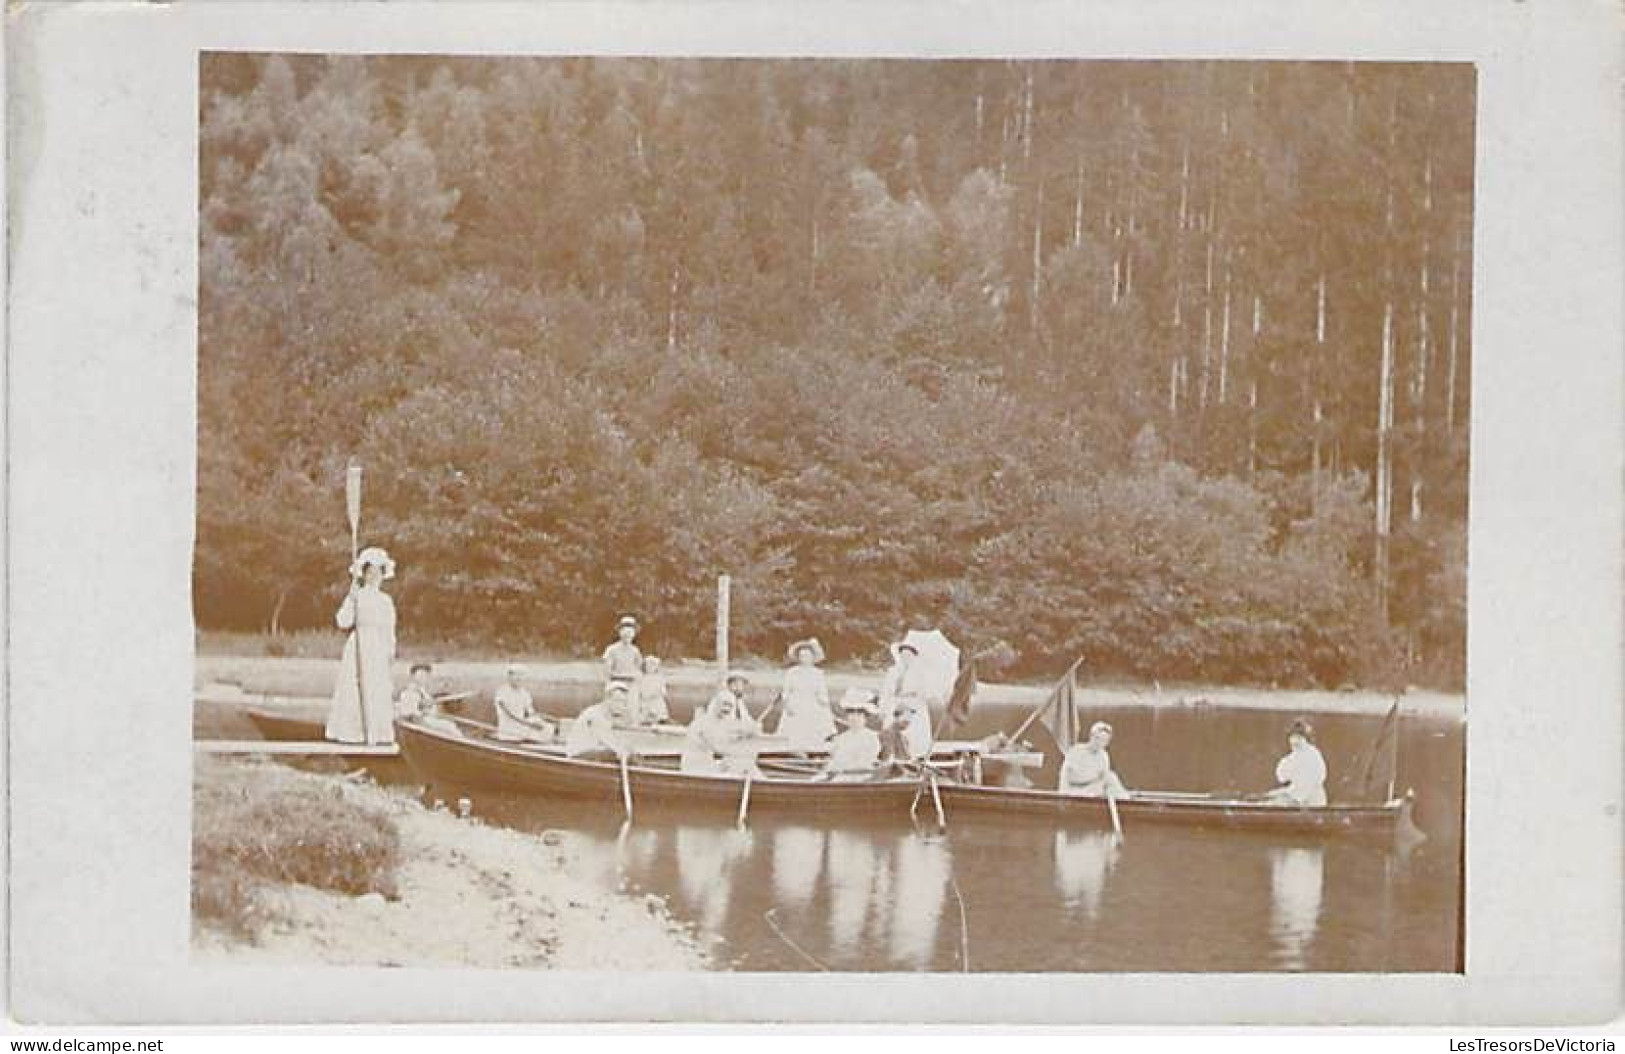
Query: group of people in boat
(860, 734)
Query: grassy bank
(298, 867)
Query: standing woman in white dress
(363, 711)
(808, 721)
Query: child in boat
(806, 721)
(1087, 770)
(622, 660)
(517, 719)
(592, 734)
(854, 753)
(1301, 772)
(652, 708)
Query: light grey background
(101, 428)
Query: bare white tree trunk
(1385, 456)
(1077, 207)
(1455, 302)
(671, 313)
(1038, 249)
(1207, 328)
(1314, 383)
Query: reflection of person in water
(1083, 862)
(1297, 877)
(798, 861)
(853, 870)
(920, 882)
(705, 860)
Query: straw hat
(859, 700)
(902, 646)
(376, 557)
(811, 644)
(627, 620)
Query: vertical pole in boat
(352, 507)
(724, 587)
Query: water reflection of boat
(1297, 878)
(798, 860)
(1083, 862)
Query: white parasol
(933, 672)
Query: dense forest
(1161, 363)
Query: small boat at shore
(469, 760)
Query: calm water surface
(880, 894)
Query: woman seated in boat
(719, 736)
(1087, 770)
(652, 708)
(854, 753)
(1301, 772)
(517, 719)
(806, 719)
(592, 734)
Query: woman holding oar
(363, 706)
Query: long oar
(744, 800)
(1117, 821)
(352, 506)
(626, 789)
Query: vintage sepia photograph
(814, 515)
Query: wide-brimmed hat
(375, 556)
(735, 675)
(627, 620)
(618, 688)
(902, 646)
(859, 700)
(1100, 726)
(811, 644)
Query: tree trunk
(1450, 376)
(1385, 455)
(671, 313)
(1038, 251)
(1077, 208)
(1224, 337)
(276, 611)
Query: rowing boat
(1172, 808)
(467, 760)
(446, 759)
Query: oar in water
(626, 789)
(744, 800)
(1117, 821)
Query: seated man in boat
(623, 662)
(1087, 770)
(415, 699)
(1301, 772)
(517, 719)
(854, 753)
(719, 736)
(592, 734)
(417, 702)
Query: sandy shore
(304, 679)
(468, 895)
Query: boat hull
(447, 760)
(451, 760)
(1178, 810)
